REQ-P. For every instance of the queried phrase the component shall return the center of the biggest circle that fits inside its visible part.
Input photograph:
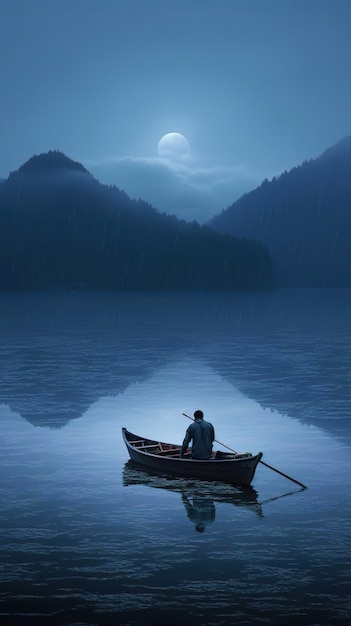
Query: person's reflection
(201, 511)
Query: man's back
(202, 435)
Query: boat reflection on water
(198, 496)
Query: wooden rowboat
(236, 469)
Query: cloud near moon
(173, 146)
(178, 187)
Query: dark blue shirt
(202, 434)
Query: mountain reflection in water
(287, 350)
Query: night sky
(256, 87)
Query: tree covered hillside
(61, 228)
(304, 218)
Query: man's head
(200, 527)
(198, 415)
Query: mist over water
(87, 537)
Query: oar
(263, 463)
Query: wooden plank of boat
(165, 457)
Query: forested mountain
(304, 218)
(59, 228)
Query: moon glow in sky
(173, 146)
(217, 85)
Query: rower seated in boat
(202, 435)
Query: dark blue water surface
(89, 538)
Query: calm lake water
(87, 538)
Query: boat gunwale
(182, 459)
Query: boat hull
(153, 454)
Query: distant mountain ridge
(61, 228)
(304, 218)
(52, 161)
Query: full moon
(173, 146)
